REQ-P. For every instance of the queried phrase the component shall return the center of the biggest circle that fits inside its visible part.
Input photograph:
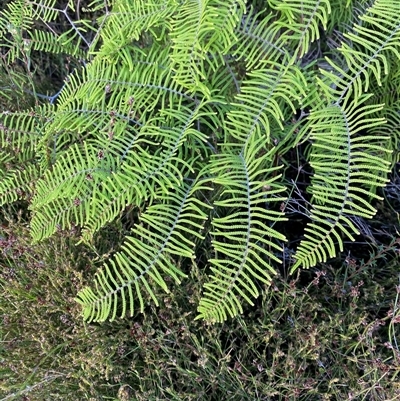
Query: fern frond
(264, 96)
(21, 131)
(111, 98)
(302, 20)
(14, 22)
(166, 231)
(390, 130)
(190, 27)
(18, 184)
(67, 43)
(244, 240)
(18, 21)
(259, 41)
(142, 172)
(366, 55)
(343, 159)
(131, 87)
(129, 19)
(200, 31)
(19, 165)
(63, 195)
(387, 94)
(147, 153)
(229, 13)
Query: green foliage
(341, 167)
(188, 113)
(241, 254)
(170, 225)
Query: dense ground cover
(327, 333)
(330, 333)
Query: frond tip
(244, 242)
(343, 162)
(166, 231)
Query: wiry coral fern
(187, 112)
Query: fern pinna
(188, 111)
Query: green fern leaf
(190, 27)
(63, 195)
(18, 184)
(143, 173)
(199, 28)
(342, 159)
(129, 19)
(20, 167)
(265, 96)
(259, 40)
(302, 21)
(366, 53)
(244, 240)
(166, 231)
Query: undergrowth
(331, 333)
